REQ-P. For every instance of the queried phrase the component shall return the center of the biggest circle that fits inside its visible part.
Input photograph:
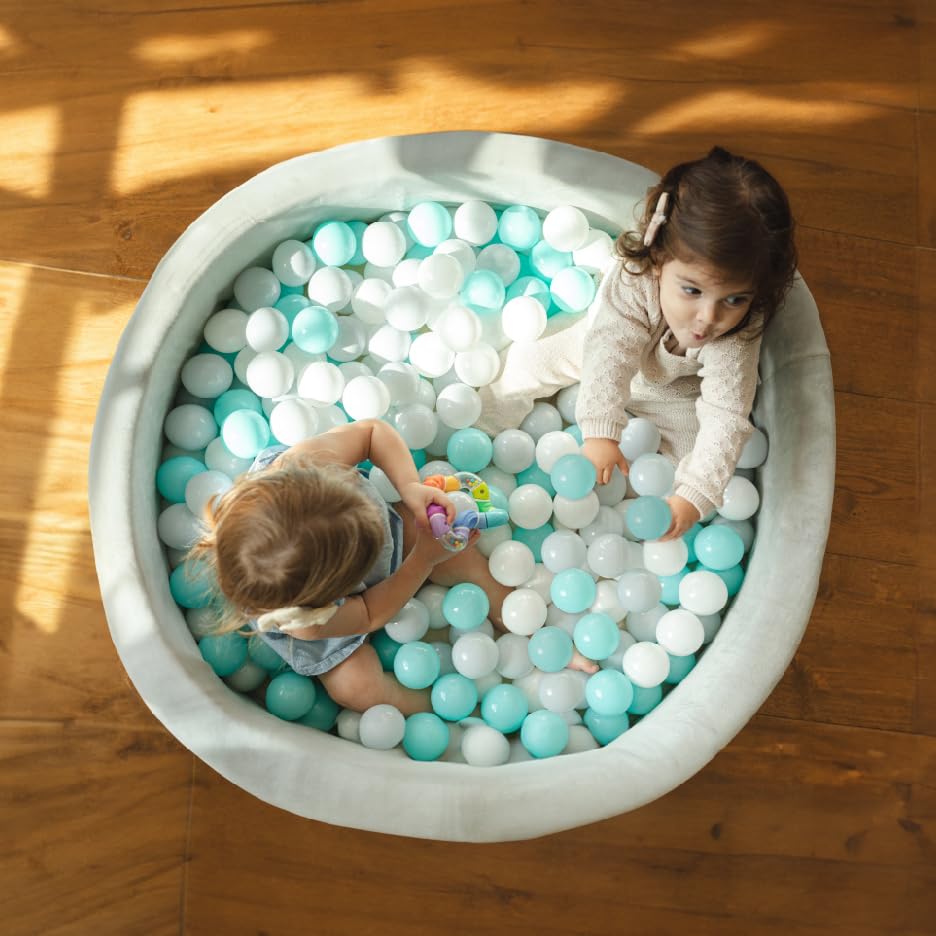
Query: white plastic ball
(351, 340)
(640, 437)
(484, 746)
(293, 420)
(410, 623)
(430, 355)
(514, 450)
(439, 445)
(330, 416)
(665, 558)
(703, 592)
(348, 725)
(642, 624)
(267, 329)
(502, 260)
(608, 555)
(530, 506)
(491, 539)
(646, 664)
(606, 600)
(543, 418)
(566, 399)
(270, 374)
(504, 482)
(402, 380)
(740, 499)
(383, 243)
(680, 632)
(541, 581)
(754, 453)
(321, 383)
(608, 520)
(511, 563)
(407, 308)
(218, 458)
(580, 740)
(477, 366)
(382, 727)
(178, 527)
(475, 655)
(416, 424)
(207, 375)
(373, 271)
(432, 596)
(226, 330)
(562, 550)
(365, 398)
(523, 611)
(190, 426)
(513, 659)
(596, 254)
(565, 228)
(614, 491)
(256, 287)
(459, 406)
(475, 222)
(576, 513)
(458, 327)
(651, 475)
(440, 276)
(242, 362)
(330, 287)
(368, 300)
(389, 343)
(293, 263)
(300, 361)
(551, 446)
(524, 319)
(560, 692)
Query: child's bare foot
(583, 664)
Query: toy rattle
(486, 517)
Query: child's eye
(691, 291)
(736, 301)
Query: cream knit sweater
(622, 353)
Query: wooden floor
(122, 120)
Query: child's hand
(419, 496)
(604, 454)
(685, 514)
(431, 551)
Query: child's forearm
(384, 600)
(388, 452)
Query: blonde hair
(302, 533)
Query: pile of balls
(402, 319)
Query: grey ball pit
(323, 777)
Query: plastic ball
(484, 746)
(648, 518)
(665, 558)
(550, 649)
(454, 697)
(519, 227)
(430, 355)
(740, 499)
(703, 593)
(565, 228)
(605, 728)
(640, 437)
(410, 623)
(500, 259)
(646, 664)
(270, 374)
(639, 590)
(226, 330)
(545, 418)
(577, 513)
(382, 727)
(224, 653)
(429, 223)
(292, 421)
(608, 555)
(551, 446)
(365, 398)
(572, 590)
(368, 300)
(733, 579)
(511, 563)
(334, 243)
(523, 612)
(572, 289)
(718, 547)
(290, 696)
(417, 424)
(530, 507)
(441, 276)
(754, 453)
(596, 636)
(351, 341)
(321, 383)
(573, 476)
(475, 222)
(247, 678)
(389, 343)
(190, 426)
(514, 450)
(203, 488)
(256, 287)
(646, 699)
(416, 665)
(680, 667)
(596, 253)
(207, 375)
(465, 606)
(652, 475)
(173, 475)
(513, 658)
(383, 244)
(504, 707)
(461, 250)
(178, 527)
(293, 263)
(680, 632)
(474, 655)
(458, 327)
(458, 406)
(547, 261)
(483, 291)
(331, 288)
(609, 692)
(544, 733)
(245, 433)
(425, 736)
(469, 450)
(524, 319)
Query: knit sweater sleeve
(728, 385)
(619, 333)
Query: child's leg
(360, 682)
(531, 371)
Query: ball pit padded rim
(323, 777)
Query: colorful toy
(454, 537)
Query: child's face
(698, 304)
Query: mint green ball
(290, 696)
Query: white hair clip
(286, 620)
(658, 218)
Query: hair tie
(286, 620)
(658, 218)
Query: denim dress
(314, 657)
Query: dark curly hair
(729, 213)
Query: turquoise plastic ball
(534, 539)
(733, 578)
(233, 400)
(483, 291)
(547, 261)
(334, 243)
(416, 665)
(465, 606)
(609, 692)
(719, 548)
(573, 476)
(315, 329)
(454, 697)
(469, 450)
(679, 667)
(544, 733)
(291, 305)
(358, 228)
(425, 736)
(550, 649)
(575, 431)
(573, 590)
(245, 433)
(290, 696)
(645, 700)
(530, 286)
(224, 653)
(324, 711)
(386, 648)
(535, 475)
(519, 227)
(648, 518)
(264, 655)
(504, 707)
(419, 457)
(670, 584)
(605, 728)
(192, 584)
(572, 289)
(689, 538)
(497, 498)
(596, 636)
(174, 473)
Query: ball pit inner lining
(321, 776)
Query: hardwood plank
(925, 710)
(926, 126)
(926, 334)
(95, 822)
(804, 825)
